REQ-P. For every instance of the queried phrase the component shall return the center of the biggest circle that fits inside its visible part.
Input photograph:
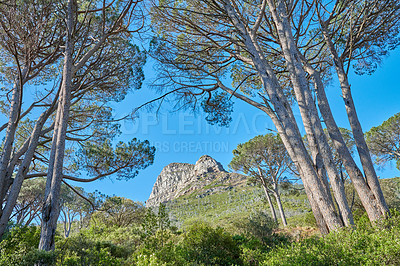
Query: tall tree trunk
(320, 220)
(271, 206)
(362, 148)
(363, 190)
(264, 185)
(280, 207)
(308, 110)
(317, 212)
(67, 223)
(51, 208)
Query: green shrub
(19, 247)
(40, 257)
(80, 250)
(165, 255)
(204, 245)
(365, 245)
(148, 260)
(258, 224)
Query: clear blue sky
(184, 137)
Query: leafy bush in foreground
(202, 244)
(19, 247)
(365, 245)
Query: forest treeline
(64, 65)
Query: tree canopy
(384, 141)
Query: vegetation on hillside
(267, 163)
(226, 228)
(65, 64)
(384, 140)
(151, 239)
(225, 207)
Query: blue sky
(184, 137)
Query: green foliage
(265, 153)
(19, 247)
(126, 159)
(258, 225)
(384, 141)
(201, 244)
(158, 240)
(39, 257)
(364, 245)
(167, 254)
(391, 191)
(81, 250)
(156, 228)
(219, 108)
(205, 245)
(120, 212)
(148, 260)
(369, 55)
(21, 238)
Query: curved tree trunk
(364, 192)
(278, 201)
(264, 185)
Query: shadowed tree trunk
(23, 170)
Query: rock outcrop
(205, 177)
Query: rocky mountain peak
(178, 179)
(206, 164)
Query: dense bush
(258, 225)
(365, 245)
(19, 247)
(202, 244)
(157, 243)
(80, 250)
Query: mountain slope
(205, 177)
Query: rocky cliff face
(205, 177)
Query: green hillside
(225, 207)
